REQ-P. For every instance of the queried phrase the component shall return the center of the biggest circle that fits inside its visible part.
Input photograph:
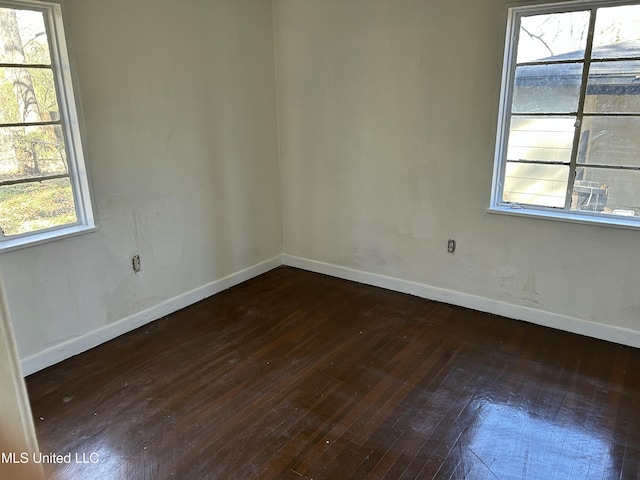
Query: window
(568, 143)
(44, 190)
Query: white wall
(181, 132)
(387, 115)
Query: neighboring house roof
(627, 49)
(606, 78)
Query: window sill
(9, 244)
(599, 219)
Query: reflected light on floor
(510, 442)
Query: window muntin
(44, 190)
(568, 145)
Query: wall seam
(274, 33)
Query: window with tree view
(569, 128)
(43, 187)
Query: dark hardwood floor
(295, 375)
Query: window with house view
(569, 129)
(43, 186)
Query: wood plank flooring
(295, 375)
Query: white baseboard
(92, 339)
(540, 317)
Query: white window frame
(71, 127)
(514, 12)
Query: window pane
(542, 139)
(607, 191)
(27, 95)
(610, 141)
(613, 87)
(552, 88)
(617, 32)
(27, 152)
(540, 185)
(25, 37)
(558, 36)
(28, 207)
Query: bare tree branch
(537, 37)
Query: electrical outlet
(135, 263)
(451, 246)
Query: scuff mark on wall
(529, 292)
(507, 275)
(165, 224)
(94, 265)
(370, 256)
